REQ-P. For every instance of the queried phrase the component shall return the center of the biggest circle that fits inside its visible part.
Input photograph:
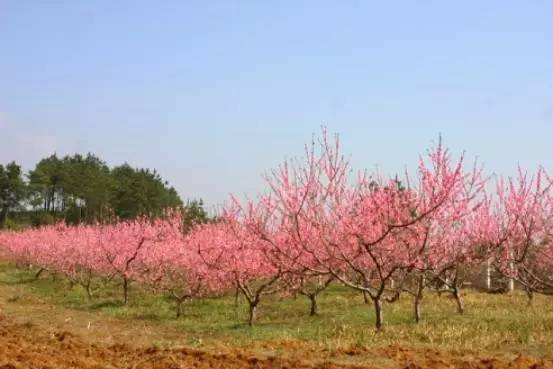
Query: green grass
(492, 322)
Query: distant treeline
(83, 189)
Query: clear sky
(214, 93)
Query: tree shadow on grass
(17, 282)
(105, 304)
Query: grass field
(493, 323)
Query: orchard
(318, 223)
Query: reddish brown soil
(27, 346)
(415, 359)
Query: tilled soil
(23, 345)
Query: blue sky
(212, 94)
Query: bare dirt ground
(28, 346)
(37, 334)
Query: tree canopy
(84, 189)
(12, 190)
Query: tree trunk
(366, 297)
(418, 298)
(458, 299)
(313, 301)
(37, 274)
(88, 291)
(417, 309)
(530, 295)
(179, 308)
(511, 282)
(378, 314)
(488, 275)
(88, 285)
(3, 217)
(252, 313)
(511, 285)
(125, 290)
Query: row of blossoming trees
(320, 223)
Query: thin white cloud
(36, 145)
(22, 145)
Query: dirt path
(25, 308)
(26, 346)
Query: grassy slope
(491, 324)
